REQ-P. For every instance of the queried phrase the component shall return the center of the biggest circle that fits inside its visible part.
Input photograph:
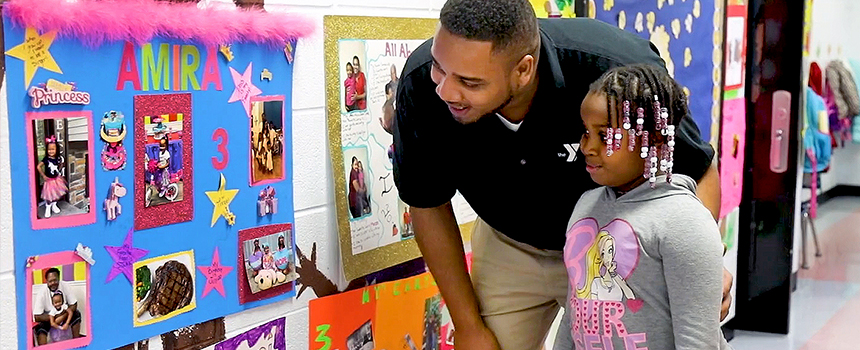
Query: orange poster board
(401, 314)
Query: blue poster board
(698, 16)
(96, 72)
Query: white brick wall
(314, 201)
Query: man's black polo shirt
(524, 184)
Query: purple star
(244, 88)
(215, 275)
(124, 257)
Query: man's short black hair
(510, 25)
(52, 270)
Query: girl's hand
(54, 323)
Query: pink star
(124, 257)
(215, 275)
(244, 88)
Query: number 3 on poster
(322, 338)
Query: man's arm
(438, 237)
(708, 192)
(43, 317)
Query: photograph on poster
(164, 287)
(267, 140)
(432, 323)
(58, 288)
(266, 262)
(163, 158)
(362, 338)
(60, 148)
(735, 31)
(270, 261)
(406, 230)
(357, 177)
(352, 54)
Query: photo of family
(269, 261)
(59, 302)
(62, 166)
(354, 90)
(361, 339)
(164, 287)
(432, 323)
(163, 154)
(358, 178)
(267, 140)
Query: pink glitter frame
(44, 262)
(244, 289)
(250, 153)
(70, 220)
(170, 213)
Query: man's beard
(496, 110)
(508, 100)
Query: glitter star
(124, 257)
(244, 88)
(215, 275)
(221, 199)
(34, 52)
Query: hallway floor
(825, 309)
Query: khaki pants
(520, 288)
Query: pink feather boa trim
(95, 22)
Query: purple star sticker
(124, 257)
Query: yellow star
(34, 52)
(221, 199)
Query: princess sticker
(113, 132)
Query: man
(360, 96)
(42, 305)
(490, 107)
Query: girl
(163, 164)
(268, 258)
(643, 254)
(364, 197)
(53, 185)
(349, 88)
(60, 319)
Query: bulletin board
(680, 29)
(143, 166)
(364, 60)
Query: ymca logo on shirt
(571, 149)
(599, 261)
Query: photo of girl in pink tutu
(60, 156)
(54, 185)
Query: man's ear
(524, 69)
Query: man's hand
(479, 339)
(727, 294)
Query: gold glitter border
(363, 28)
